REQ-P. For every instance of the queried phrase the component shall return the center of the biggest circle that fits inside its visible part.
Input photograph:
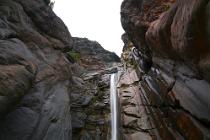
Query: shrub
(74, 55)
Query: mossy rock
(75, 55)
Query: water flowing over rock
(56, 87)
(41, 76)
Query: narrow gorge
(54, 86)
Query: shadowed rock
(174, 35)
(34, 76)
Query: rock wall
(47, 91)
(173, 36)
(93, 56)
(35, 74)
(39, 76)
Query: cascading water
(114, 108)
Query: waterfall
(114, 108)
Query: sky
(97, 20)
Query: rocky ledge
(167, 46)
(56, 87)
(42, 93)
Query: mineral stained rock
(56, 87)
(174, 34)
(37, 80)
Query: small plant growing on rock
(75, 55)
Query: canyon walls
(172, 38)
(35, 74)
(41, 74)
(56, 87)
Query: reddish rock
(175, 36)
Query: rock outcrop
(173, 36)
(39, 77)
(90, 106)
(35, 74)
(93, 56)
(56, 87)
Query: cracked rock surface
(171, 38)
(175, 89)
(40, 72)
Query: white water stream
(114, 108)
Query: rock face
(92, 48)
(34, 85)
(90, 107)
(56, 87)
(37, 79)
(93, 55)
(174, 35)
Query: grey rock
(92, 48)
(35, 75)
(78, 120)
(85, 136)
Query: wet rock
(93, 100)
(178, 81)
(39, 87)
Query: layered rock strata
(40, 73)
(175, 90)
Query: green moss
(166, 7)
(75, 55)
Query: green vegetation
(166, 7)
(75, 55)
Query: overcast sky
(95, 19)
